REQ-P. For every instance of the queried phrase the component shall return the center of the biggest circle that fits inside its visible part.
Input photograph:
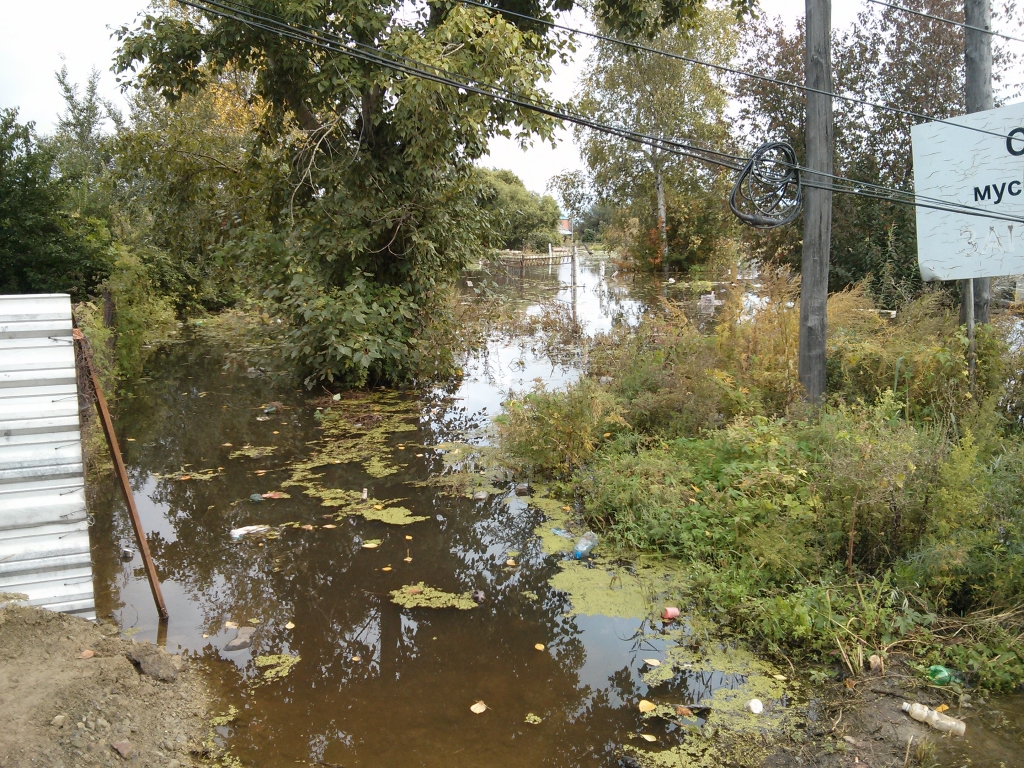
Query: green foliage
(555, 433)
(518, 217)
(893, 517)
(44, 248)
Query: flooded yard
(349, 665)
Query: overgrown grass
(889, 521)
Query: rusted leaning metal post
(122, 475)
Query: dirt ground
(860, 723)
(62, 706)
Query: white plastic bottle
(936, 720)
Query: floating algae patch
(276, 666)
(252, 452)
(422, 596)
(357, 429)
(186, 474)
(389, 515)
(601, 591)
(700, 751)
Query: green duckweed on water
(598, 588)
(276, 666)
(252, 452)
(358, 429)
(533, 719)
(601, 591)
(422, 596)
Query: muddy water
(376, 684)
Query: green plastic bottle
(940, 675)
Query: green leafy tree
(518, 216)
(383, 209)
(888, 57)
(43, 247)
(666, 97)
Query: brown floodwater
(378, 684)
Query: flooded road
(338, 672)
(376, 684)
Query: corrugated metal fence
(44, 531)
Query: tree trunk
(659, 181)
(817, 200)
(978, 82)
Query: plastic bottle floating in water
(586, 544)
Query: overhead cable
(728, 69)
(415, 68)
(948, 21)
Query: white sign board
(980, 170)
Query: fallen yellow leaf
(539, 646)
(254, 621)
(647, 706)
(356, 658)
(226, 445)
(648, 737)
(386, 568)
(230, 625)
(407, 559)
(607, 434)
(510, 563)
(370, 545)
(683, 711)
(479, 708)
(329, 525)
(942, 707)
(86, 654)
(408, 537)
(306, 527)
(652, 662)
(289, 625)
(378, 506)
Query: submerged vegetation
(890, 521)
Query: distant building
(565, 228)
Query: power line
(948, 21)
(415, 68)
(728, 69)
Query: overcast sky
(81, 32)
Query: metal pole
(979, 98)
(818, 202)
(972, 356)
(122, 476)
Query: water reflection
(376, 684)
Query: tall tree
(663, 97)
(382, 211)
(44, 248)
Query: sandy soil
(59, 709)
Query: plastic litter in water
(248, 530)
(586, 544)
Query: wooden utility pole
(978, 92)
(817, 198)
